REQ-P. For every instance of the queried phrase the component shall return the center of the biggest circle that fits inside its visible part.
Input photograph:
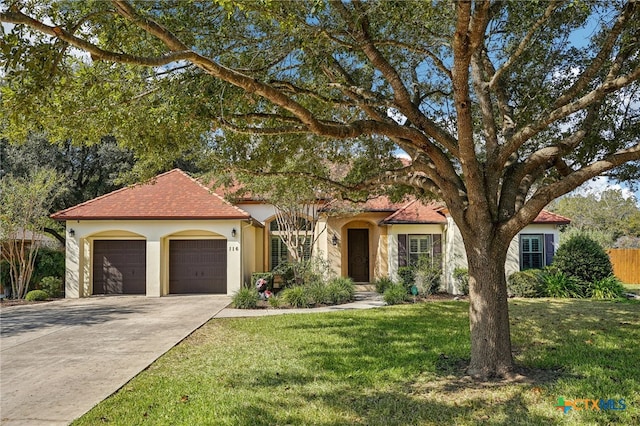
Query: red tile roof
(546, 216)
(171, 195)
(378, 204)
(416, 212)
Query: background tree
(89, 170)
(499, 108)
(605, 217)
(24, 208)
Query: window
(419, 246)
(531, 251)
(279, 252)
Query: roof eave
(61, 218)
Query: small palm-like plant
(245, 298)
(340, 290)
(395, 294)
(382, 284)
(557, 284)
(296, 297)
(606, 288)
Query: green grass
(632, 288)
(400, 365)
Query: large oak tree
(501, 106)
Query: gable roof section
(546, 216)
(171, 195)
(416, 213)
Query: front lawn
(632, 288)
(398, 365)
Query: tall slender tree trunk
(488, 309)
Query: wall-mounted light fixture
(233, 232)
(334, 240)
(72, 232)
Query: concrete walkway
(59, 359)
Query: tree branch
(603, 55)
(402, 97)
(16, 17)
(545, 194)
(590, 98)
(522, 46)
(417, 49)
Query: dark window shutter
(548, 249)
(402, 250)
(520, 251)
(437, 244)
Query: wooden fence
(626, 264)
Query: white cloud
(600, 184)
(396, 116)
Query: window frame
(530, 263)
(414, 257)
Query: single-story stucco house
(174, 235)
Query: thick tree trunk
(488, 310)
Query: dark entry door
(198, 266)
(119, 267)
(358, 254)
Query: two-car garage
(170, 235)
(195, 266)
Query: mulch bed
(5, 303)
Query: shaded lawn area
(400, 365)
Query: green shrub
(340, 290)
(583, 258)
(316, 292)
(525, 283)
(296, 297)
(49, 263)
(407, 276)
(382, 284)
(427, 275)
(36, 295)
(275, 301)
(52, 285)
(302, 272)
(245, 298)
(557, 284)
(461, 278)
(286, 271)
(606, 288)
(395, 294)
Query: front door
(358, 254)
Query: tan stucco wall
(157, 234)
(252, 251)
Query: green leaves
(25, 202)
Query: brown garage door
(198, 266)
(119, 267)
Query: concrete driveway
(59, 359)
